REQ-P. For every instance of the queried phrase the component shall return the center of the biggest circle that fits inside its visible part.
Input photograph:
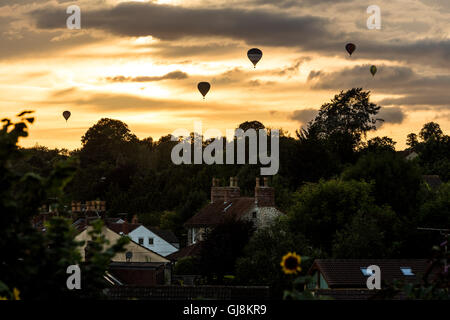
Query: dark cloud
(167, 22)
(304, 116)
(174, 75)
(438, 100)
(393, 115)
(313, 74)
(256, 27)
(296, 3)
(411, 87)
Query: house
(346, 279)
(138, 265)
(408, 154)
(134, 252)
(163, 242)
(227, 202)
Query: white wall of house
(159, 245)
(262, 217)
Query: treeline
(329, 159)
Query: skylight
(366, 272)
(407, 271)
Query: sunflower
(16, 294)
(291, 263)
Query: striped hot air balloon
(350, 47)
(254, 55)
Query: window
(366, 272)
(141, 241)
(407, 271)
(254, 215)
(193, 236)
(150, 241)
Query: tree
(34, 262)
(260, 261)
(256, 125)
(430, 130)
(433, 150)
(377, 145)
(187, 266)
(411, 140)
(396, 181)
(344, 121)
(221, 248)
(321, 209)
(435, 213)
(108, 140)
(362, 238)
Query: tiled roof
(189, 251)
(166, 235)
(214, 213)
(136, 265)
(126, 228)
(340, 273)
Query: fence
(189, 293)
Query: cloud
(293, 69)
(117, 102)
(174, 75)
(411, 88)
(288, 4)
(168, 22)
(393, 115)
(257, 27)
(304, 116)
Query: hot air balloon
(350, 47)
(66, 115)
(373, 70)
(254, 55)
(204, 87)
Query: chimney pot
(266, 182)
(213, 182)
(231, 181)
(257, 181)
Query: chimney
(224, 194)
(264, 195)
(217, 194)
(135, 219)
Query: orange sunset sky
(140, 62)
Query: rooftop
(215, 213)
